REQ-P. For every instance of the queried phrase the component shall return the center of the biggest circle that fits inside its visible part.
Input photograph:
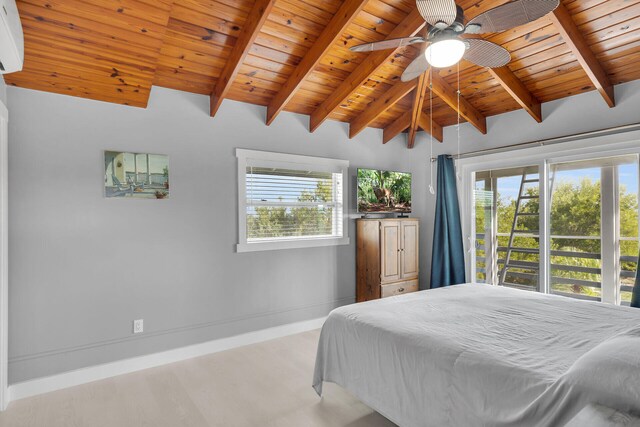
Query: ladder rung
(529, 197)
(531, 180)
(527, 214)
(525, 231)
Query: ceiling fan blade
(415, 69)
(387, 44)
(510, 15)
(437, 11)
(486, 54)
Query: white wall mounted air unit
(11, 39)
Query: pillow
(601, 416)
(609, 373)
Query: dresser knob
(401, 290)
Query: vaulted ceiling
(293, 55)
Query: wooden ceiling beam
(332, 32)
(398, 126)
(379, 106)
(409, 26)
(416, 111)
(430, 126)
(250, 30)
(518, 91)
(571, 35)
(404, 121)
(449, 96)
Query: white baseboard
(94, 373)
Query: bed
(480, 355)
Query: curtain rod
(549, 141)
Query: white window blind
(290, 201)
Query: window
(565, 225)
(290, 201)
(507, 237)
(594, 228)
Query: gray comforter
(479, 355)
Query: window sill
(290, 244)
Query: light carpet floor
(265, 384)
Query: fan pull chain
(431, 160)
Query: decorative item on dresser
(387, 257)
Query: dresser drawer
(398, 288)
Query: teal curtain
(635, 297)
(447, 257)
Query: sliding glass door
(593, 220)
(591, 229)
(628, 178)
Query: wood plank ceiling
(293, 55)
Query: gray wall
(576, 114)
(82, 267)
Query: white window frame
(4, 249)
(292, 161)
(542, 156)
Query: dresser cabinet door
(409, 249)
(390, 251)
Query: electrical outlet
(138, 326)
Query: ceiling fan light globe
(445, 53)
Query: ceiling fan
(446, 25)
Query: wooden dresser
(387, 257)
